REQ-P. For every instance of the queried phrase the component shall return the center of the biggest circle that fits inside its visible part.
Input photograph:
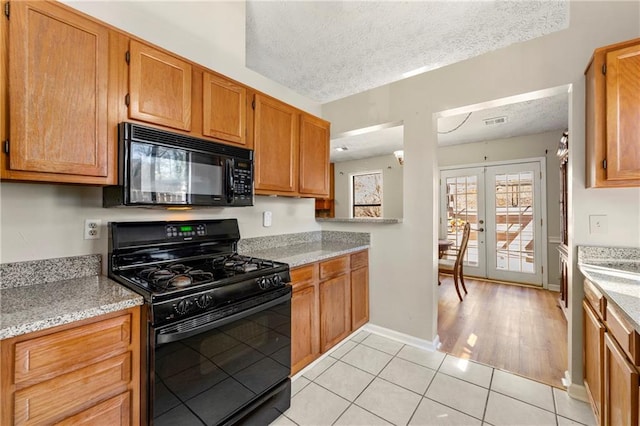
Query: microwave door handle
(229, 180)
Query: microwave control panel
(243, 179)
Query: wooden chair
(454, 267)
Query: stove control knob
(277, 281)
(204, 300)
(182, 307)
(264, 283)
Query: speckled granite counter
(308, 247)
(26, 306)
(358, 220)
(616, 272)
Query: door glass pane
(514, 222)
(462, 207)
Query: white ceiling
(522, 118)
(327, 50)
(371, 142)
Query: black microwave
(163, 169)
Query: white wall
(538, 145)
(391, 184)
(43, 221)
(550, 61)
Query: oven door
(233, 368)
(158, 174)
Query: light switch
(266, 219)
(598, 224)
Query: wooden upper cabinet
(224, 109)
(159, 87)
(58, 80)
(613, 116)
(623, 113)
(276, 146)
(314, 156)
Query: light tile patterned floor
(373, 380)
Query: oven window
(206, 378)
(164, 175)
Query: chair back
(463, 245)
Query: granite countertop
(37, 307)
(358, 220)
(301, 254)
(616, 273)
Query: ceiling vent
(495, 120)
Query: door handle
(480, 229)
(481, 221)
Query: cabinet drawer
(112, 412)
(303, 275)
(595, 299)
(360, 259)
(66, 395)
(333, 267)
(624, 334)
(49, 356)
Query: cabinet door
(304, 327)
(620, 386)
(335, 311)
(359, 297)
(58, 75)
(159, 87)
(276, 146)
(314, 156)
(623, 113)
(593, 359)
(224, 109)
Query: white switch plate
(92, 229)
(598, 224)
(266, 219)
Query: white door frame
(543, 201)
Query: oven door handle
(183, 334)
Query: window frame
(352, 204)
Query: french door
(503, 204)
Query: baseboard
(553, 287)
(404, 338)
(575, 391)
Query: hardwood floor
(513, 328)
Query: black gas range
(209, 309)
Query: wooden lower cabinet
(80, 373)
(620, 386)
(593, 358)
(335, 311)
(359, 289)
(611, 360)
(305, 342)
(330, 300)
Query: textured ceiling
(523, 118)
(372, 143)
(327, 50)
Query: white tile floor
(372, 380)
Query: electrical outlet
(266, 219)
(597, 224)
(92, 229)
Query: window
(367, 194)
